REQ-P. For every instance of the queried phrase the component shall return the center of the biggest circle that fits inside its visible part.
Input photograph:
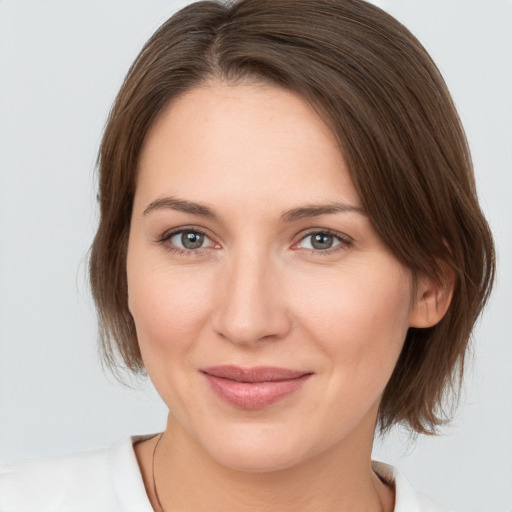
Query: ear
(432, 299)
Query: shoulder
(407, 499)
(101, 480)
(55, 482)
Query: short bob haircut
(381, 95)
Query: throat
(177, 480)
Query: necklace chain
(153, 473)
(161, 508)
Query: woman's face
(251, 259)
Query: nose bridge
(251, 306)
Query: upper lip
(253, 374)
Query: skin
(258, 293)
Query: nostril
(250, 307)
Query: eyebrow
(181, 205)
(315, 210)
(302, 212)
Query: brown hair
(378, 90)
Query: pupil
(322, 241)
(192, 240)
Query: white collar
(129, 486)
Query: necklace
(153, 474)
(161, 509)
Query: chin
(249, 450)
(255, 460)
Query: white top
(110, 481)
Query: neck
(187, 478)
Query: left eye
(320, 241)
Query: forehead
(258, 143)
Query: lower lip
(254, 395)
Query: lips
(256, 387)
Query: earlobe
(432, 299)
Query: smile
(253, 388)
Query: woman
(291, 246)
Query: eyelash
(344, 241)
(167, 236)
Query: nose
(251, 306)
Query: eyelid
(165, 238)
(345, 240)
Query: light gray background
(61, 63)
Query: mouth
(256, 387)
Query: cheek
(169, 306)
(360, 317)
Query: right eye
(187, 241)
